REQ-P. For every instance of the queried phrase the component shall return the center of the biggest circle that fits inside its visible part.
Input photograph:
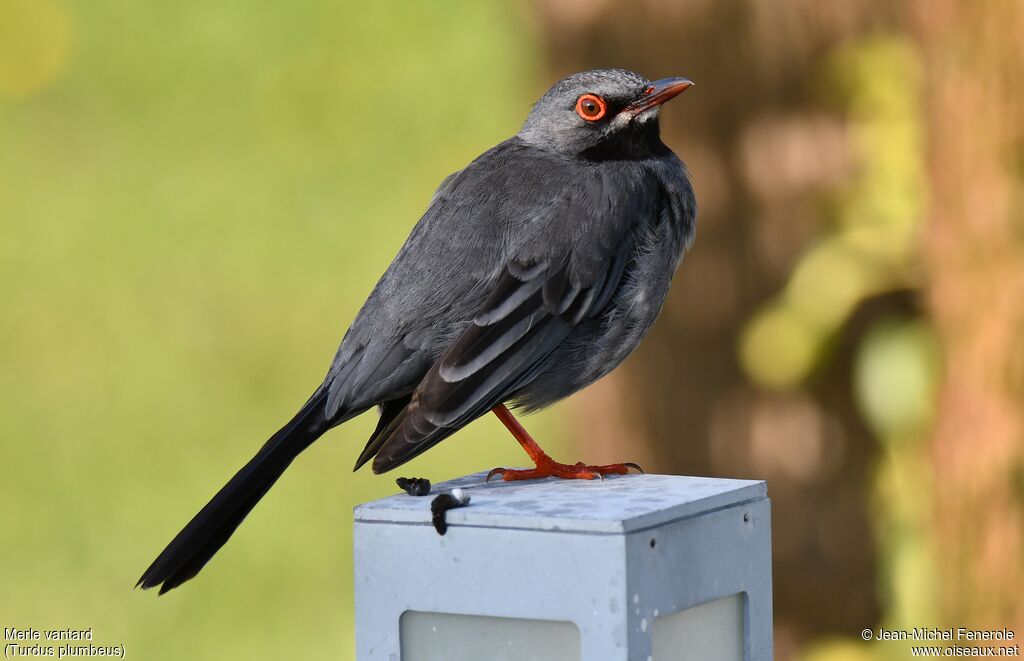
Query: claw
(545, 465)
(578, 471)
(630, 464)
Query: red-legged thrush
(534, 272)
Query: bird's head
(605, 113)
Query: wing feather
(497, 354)
(562, 256)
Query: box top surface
(616, 505)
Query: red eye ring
(591, 107)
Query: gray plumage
(534, 271)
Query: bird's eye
(591, 107)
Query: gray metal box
(637, 567)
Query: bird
(535, 271)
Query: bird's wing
(566, 271)
(441, 275)
(477, 220)
(389, 346)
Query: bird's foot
(552, 468)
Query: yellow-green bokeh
(869, 249)
(35, 40)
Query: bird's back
(438, 281)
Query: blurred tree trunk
(681, 404)
(974, 256)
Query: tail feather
(390, 411)
(207, 532)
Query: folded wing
(565, 274)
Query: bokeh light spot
(35, 41)
(778, 347)
(895, 379)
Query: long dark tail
(193, 547)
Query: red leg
(546, 466)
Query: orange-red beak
(658, 93)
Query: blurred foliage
(868, 249)
(195, 198)
(896, 377)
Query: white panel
(709, 632)
(447, 637)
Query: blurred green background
(195, 198)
